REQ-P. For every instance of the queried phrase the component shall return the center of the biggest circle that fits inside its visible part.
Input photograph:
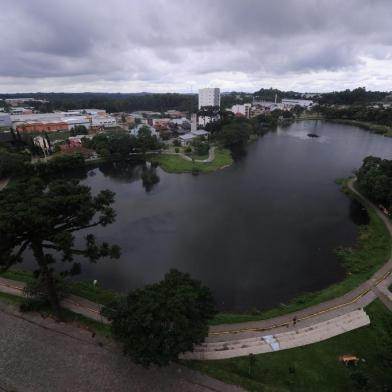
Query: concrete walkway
(330, 313)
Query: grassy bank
(83, 289)
(68, 316)
(372, 250)
(177, 164)
(379, 129)
(316, 367)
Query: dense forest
(118, 102)
(112, 102)
(351, 97)
(372, 115)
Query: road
(39, 355)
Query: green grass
(95, 294)
(373, 249)
(12, 299)
(177, 164)
(70, 317)
(83, 289)
(316, 367)
(91, 325)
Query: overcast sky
(182, 45)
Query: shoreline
(299, 304)
(382, 130)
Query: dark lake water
(257, 233)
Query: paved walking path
(338, 314)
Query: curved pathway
(312, 324)
(211, 156)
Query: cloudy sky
(182, 45)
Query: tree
(235, 134)
(146, 141)
(43, 218)
(375, 180)
(118, 144)
(157, 323)
(59, 165)
(12, 163)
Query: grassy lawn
(373, 249)
(316, 367)
(83, 289)
(176, 164)
(70, 317)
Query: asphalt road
(39, 354)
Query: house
(5, 120)
(187, 138)
(242, 110)
(74, 142)
(135, 130)
(41, 126)
(200, 133)
(304, 103)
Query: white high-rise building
(209, 97)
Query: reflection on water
(358, 213)
(149, 177)
(257, 233)
(130, 171)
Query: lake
(257, 233)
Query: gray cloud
(123, 45)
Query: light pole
(95, 284)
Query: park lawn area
(316, 367)
(83, 289)
(177, 164)
(372, 251)
(68, 316)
